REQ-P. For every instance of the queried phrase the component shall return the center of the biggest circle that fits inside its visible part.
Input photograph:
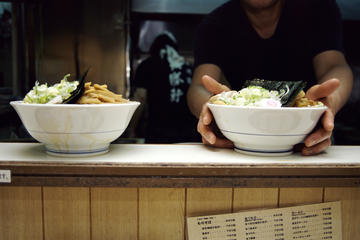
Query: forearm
(140, 95)
(197, 95)
(340, 96)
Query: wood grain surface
(208, 201)
(114, 213)
(255, 198)
(350, 201)
(66, 213)
(161, 213)
(297, 196)
(21, 213)
(147, 213)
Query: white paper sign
(5, 176)
(308, 222)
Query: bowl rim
(22, 103)
(269, 108)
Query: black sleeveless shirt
(305, 28)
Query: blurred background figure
(161, 82)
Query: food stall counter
(135, 190)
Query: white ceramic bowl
(265, 131)
(75, 129)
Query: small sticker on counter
(5, 176)
(316, 221)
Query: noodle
(302, 101)
(98, 94)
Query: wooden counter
(146, 191)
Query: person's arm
(141, 80)
(140, 95)
(197, 94)
(207, 81)
(335, 80)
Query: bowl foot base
(256, 152)
(76, 153)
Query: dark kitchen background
(42, 40)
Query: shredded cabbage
(252, 96)
(53, 94)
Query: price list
(308, 222)
(216, 227)
(263, 226)
(312, 224)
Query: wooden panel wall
(161, 213)
(45, 213)
(207, 201)
(294, 196)
(66, 213)
(255, 198)
(21, 213)
(114, 213)
(350, 199)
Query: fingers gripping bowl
(266, 121)
(265, 131)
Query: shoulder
(312, 14)
(230, 7)
(312, 3)
(144, 68)
(311, 6)
(322, 3)
(146, 61)
(221, 21)
(146, 64)
(324, 12)
(317, 7)
(222, 15)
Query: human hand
(319, 140)
(206, 126)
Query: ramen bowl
(75, 130)
(263, 130)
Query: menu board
(308, 222)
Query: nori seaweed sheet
(294, 88)
(78, 92)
